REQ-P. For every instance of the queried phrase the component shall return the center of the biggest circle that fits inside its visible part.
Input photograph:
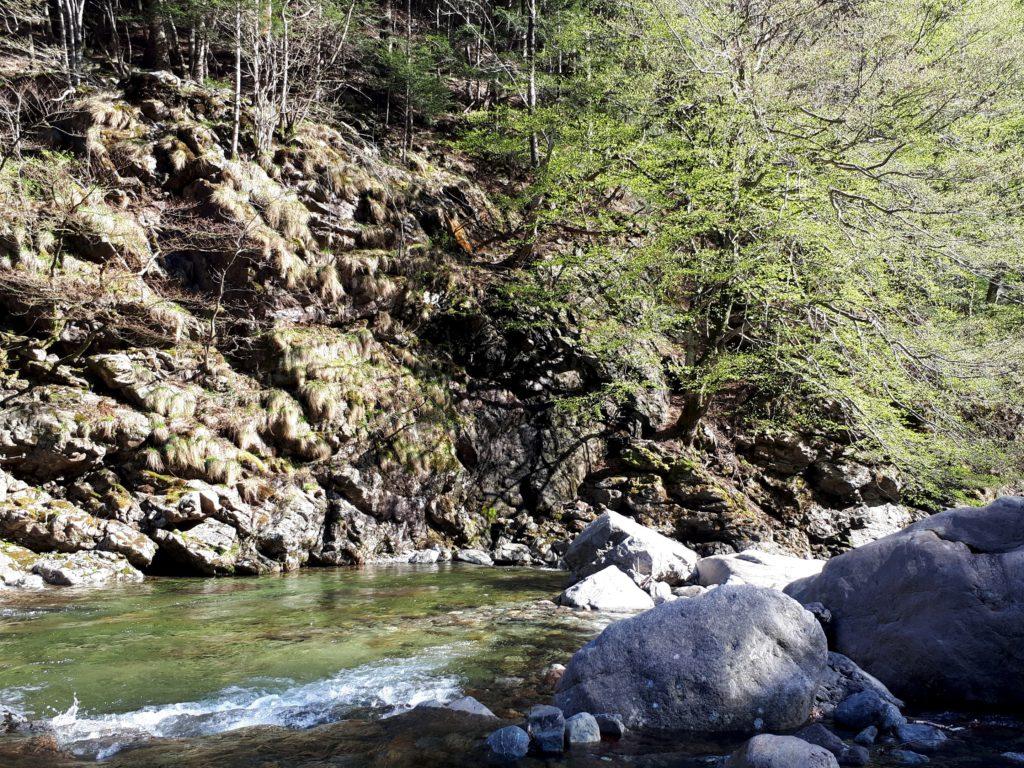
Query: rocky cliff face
(223, 366)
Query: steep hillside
(311, 355)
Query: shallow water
(312, 669)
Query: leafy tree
(811, 209)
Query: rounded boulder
(737, 659)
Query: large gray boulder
(607, 590)
(936, 611)
(767, 751)
(643, 554)
(737, 659)
(752, 566)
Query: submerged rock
(906, 757)
(470, 706)
(767, 751)
(607, 590)
(936, 611)
(509, 743)
(546, 726)
(646, 555)
(740, 659)
(920, 737)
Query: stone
(582, 728)
(122, 539)
(607, 590)
(474, 556)
(211, 548)
(85, 569)
(768, 657)
(843, 678)
(870, 523)
(866, 708)
(691, 590)
(767, 751)
(824, 617)
(660, 592)
(613, 539)
(36, 520)
(752, 566)
(854, 755)
(867, 737)
(189, 509)
(906, 757)
(425, 557)
(823, 737)
(512, 554)
(785, 453)
(470, 706)
(546, 726)
(611, 726)
(66, 431)
(553, 674)
(14, 574)
(509, 743)
(936, 611)
(920, 737)
(842, 479)
(294, 519)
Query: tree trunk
(236, 119)
(407, 139)
(157, 50)
(531, 93)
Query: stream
(316, 668)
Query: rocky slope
(223, 366)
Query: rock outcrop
(936, 611)
(86, 569)
(740, 659)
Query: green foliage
(415, 72)
(806, 213)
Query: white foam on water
(389, 686)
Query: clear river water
(315, 669)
